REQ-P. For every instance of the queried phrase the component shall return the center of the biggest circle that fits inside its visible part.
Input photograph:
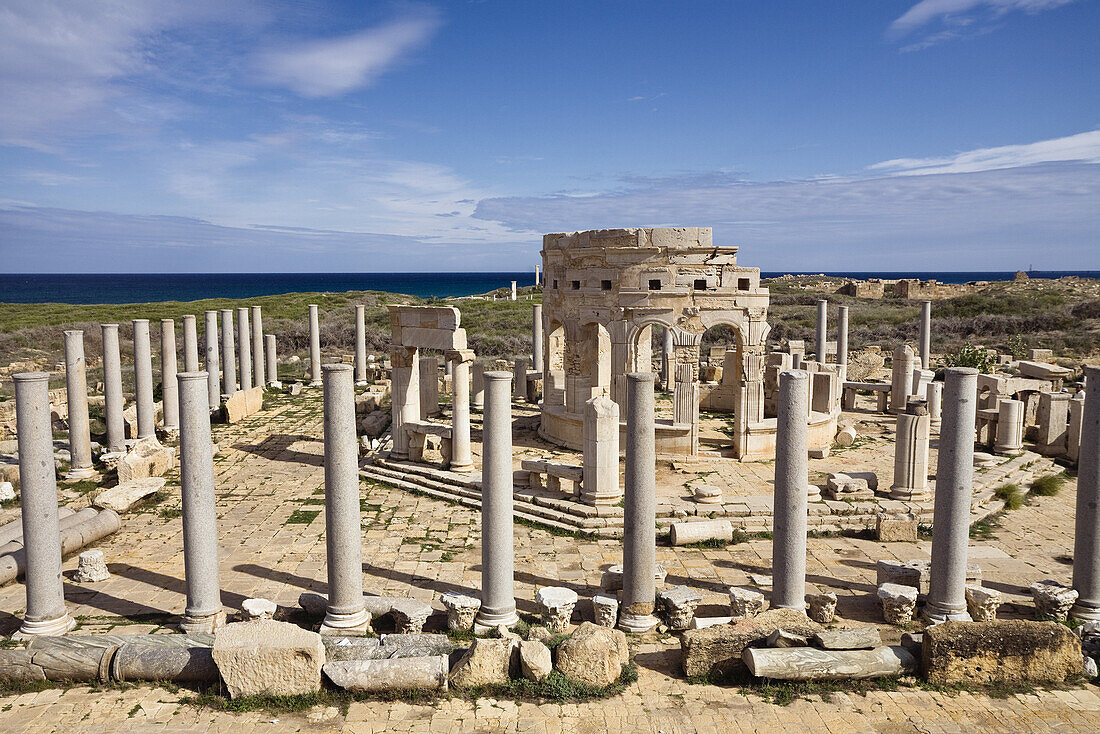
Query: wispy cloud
(335, 66)
(1083, 147)
(948, 19)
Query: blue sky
(156, 136)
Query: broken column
(143, 380)
(46, 614)
(842, 336)
(911, 454)
(639, 516)
(346, 611)
(360, 345)
(520, 378)
(1010, 426)
(229, 360)
(429, 386)
(190, 344)
(203, 612)
(925, 335)
(1086, 538)
(498, 602)
(821, 335)
(114, 402)
(954, 486)
(405, 397)
(259, 369)
(314, 347)
(272, 359)
(901, 382)
(76, 391)
(600, 430)
(536, 338)
(791, 478)
(244, 348)
(935, 401)
(168, 388)
(462, 459)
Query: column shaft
(190, 344)
(244, 348)
(143, 380)
(639, 519)
(229, 360)
(925, 334)
(76, 393)
(314, 347)
(404, 397)
(462, 459)
(477, 397)
(1086, 538)
(536, 338)
(361, 345)
(168, 389)
(213, 360)
(520, 376)
(272, 359)
(114, 402)
(842, 336)
(954, 486)
(790, 500)
(258, 366)
(822, 330)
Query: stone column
(536, 339)
(203, 613)
(258, 366)
(404, 397)
(429, 386)
(229, 361)
(901, 382)
(1074, 429)
(842, 336)
(685, 401)
(668, 362)
(822, 335)
(498, 602)
(601, 452)
(76, 393)
(911, 454)
(272, 360)
(1010, 427)
(954, 487)
(935, 397)
(462, 459)
(1086, 537)
(169, 391)
(477, 396)
(343, 538)
(640, 513)
(360, 345)
(791, 477)
(190, 344)
(513, 290)
(143, 380)
(314, 347)
(925, 335)
(46, 614)
(244, 348)
(213, 360)
(114, 402)
(538, 280)
(519, 375)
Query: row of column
(822, 329)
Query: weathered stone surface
(397, 674)
(416, 645)
(708, 494)
(91, 567)
(594, 654)
(259, 608)
(918, 573)
(461, 611)
(717, 650)
(487, 662)
(126, 494)
(1052, 600)
(7, 492)
(821, 608)
(556, 605)
(612, 579)
(55, 663)
(853, 638)
(699, 623)
(898, 602)
(745, 602)
(840, 486)
(605, 608)
(896, 527)
(265, 656)
(982, 603)
(1012, 651)
(678, 605)
(146, 458)
(244, 403)
(410, 615)
(535, 662)
(782, 638)
(139, 661)
(807, 663)
(789, 620)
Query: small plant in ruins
(1048, 484)
(979, 358)
(1017, 346)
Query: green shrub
(979, 358)
(1011, 495)
(1048, 484)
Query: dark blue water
(40, 288)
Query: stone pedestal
(911, 454)
(1086, 539)
(114, 401)
(244, 348)
(926, 335)
(462, 459)
(842, 336)
(46, 614)
(204, 612)
(536, 339)
(954, 487)
(259, 368)
(168, 368)
(1053, 422)
(1010, 427)
(229, 358)
(639, 529)
(498, 602)
(360, 345)
(272, 360)
(143, 380)
(791, 477)
(190, 344)
(601, 452)
(76, 390)
(346, 613)
(314, 347)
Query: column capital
(460, 355)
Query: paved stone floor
(270, 485)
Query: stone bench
(564, 478)
(882, 389)
(419, 431)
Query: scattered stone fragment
(612, 579)
(540, 633)
(745, 602)
(127, 494)
(487, 662)
(1089, 633)
(913, 641)
(678, 604)
(982, 603)
(760, 580)
(393, 674)
(461, 611)
(91, 567)
(708, 494)
(699, 623)
(268, 657)
(1089, 668)
(807, 663)
(594, 654)
(896, 527)
(409, 615)
(918, 573)
(7, 492)
(606, 610)
(821, 608)
(1007, 651)
(1052, 600)
(853, 638)
(535, 662)
(555, 605)
(840, 486)
(782, 638)
(146, 458)
(898, 602)
(258, 608)
(717, 650)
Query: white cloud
(958, 18)
(335, 66)
(1083, 147)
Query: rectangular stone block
(1009, 651)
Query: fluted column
(258, 366)
(213, 360)
(790, 499)
(46, 613)
(1086, 538)
(190, 344)
(911, 454)
(168, 389)
(954, 487)
(76, 393)
(114, 402)
(229, 359)
(462, 459)
(639, 518)
(360, 345)
(244, 348)
(314, 347)
(143, 380)
(203, 613)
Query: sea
(146, 288)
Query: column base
(603, 500)
(486, 622)
(909, 495)
(1085, 612)
(54, 627)
(936, 613)
(356, 624)
(637, 623)
(80, 472)
(461, 468)
(205, 624)
(1008, 450)
(361, 383)
(315, 383)
(275, 384)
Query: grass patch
(170, 513)
(1011, 495)
(302, 517)
(1049, 485)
